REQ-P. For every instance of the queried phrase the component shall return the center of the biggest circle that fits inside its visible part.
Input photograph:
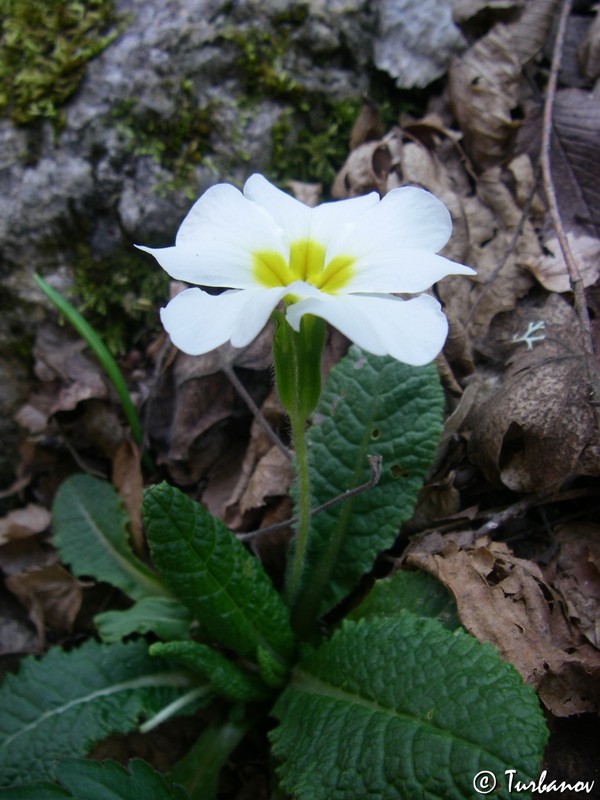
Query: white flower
(340, 261)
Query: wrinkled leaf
(214, 575)
(198, 771)
(62, 704)
(225, 678)
(403, 708)
(102, 780)
(370, 406)
(416, 592)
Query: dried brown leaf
(271, 478)
(575, 160)
(484, 82)
(129, 482)
(368, 167)
(574, 573)
(17, 634)
(59, 357)
(51, 595)
(589, 50)
(307, 193)
(24, 522)
(367, 125)
(531, 432)
(463, 10)
(502, 599)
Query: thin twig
(258, 415)
(574, 275)
(375, 465)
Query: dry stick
(375, 465)
(259, 416)
(575, 279)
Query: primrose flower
(342, 261)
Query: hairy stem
(303, 530)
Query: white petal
(405, 218)
(298, 221)
(408, 271)
(216, 240)
(292, 216)
(197, 322)
(330, 219)
(413, 331)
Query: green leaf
(370, 406)
(410, 591)
(225, 677)
(60, 705)
(164, 616)
(214, 575)
(199, 770)
(102, 780)
(90, 532)
(39, 791)
(403, 708)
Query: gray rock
(416, 40)
(174, 104)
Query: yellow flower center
(307, 263)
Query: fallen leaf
(574, 572)
(484, 82)
(503, 600)
(551, 270)
(463, 10)
(128, 480)
(51, 595)
(367, 125)
(531, 431)
(307, 193)
(59, 357)
(589, 50)
(24, 522)
(368, 167)
(575, 160)
(17, 634)
(271, 478)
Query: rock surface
(186, 95)
(416, 40)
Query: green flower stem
(297, 360)
(303, 530)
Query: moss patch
(119, 297)
(178, 143)
(44, 47)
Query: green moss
(178, 143)
(118, 297)
(313, 145)
(261, 56)
(44, 47)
